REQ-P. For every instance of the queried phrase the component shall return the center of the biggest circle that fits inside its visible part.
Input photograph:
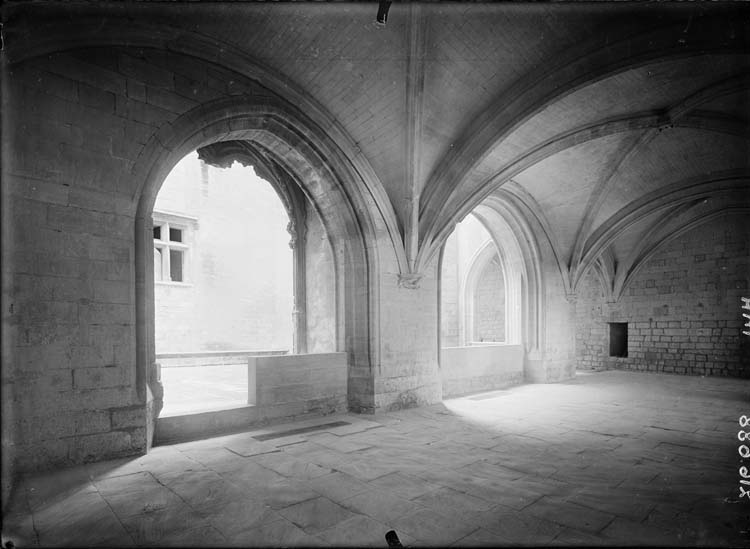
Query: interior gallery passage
(236, 219)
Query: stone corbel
(214, 156)
(409, 281)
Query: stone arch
(516, 273)
(677, 193)
(515, 242)
(650, 247)
(329, 183)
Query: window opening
(158, 276)
(175, 265)
(169, 255)
(175, 235)
(618, 339)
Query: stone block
(90, 421)
(284, 394)
(35, 456)
(286, 410)
(67, 424)
(94, 378)
(85, 449)
(141, 112)
(39, 312)
(91, 199)
(96, 98)
(168, 100)
(140, 70)
(48, 382)
(109, 291)
(108, 313)
(39, 190)
(129, 417)
(85, 66)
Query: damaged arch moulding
(222, 154)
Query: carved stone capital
(410, 281)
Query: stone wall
(297, 385)
(480, 368)
(81, 120)
(320, 284)
(682, 309)
(408, 373)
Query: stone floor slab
(315, 515)
(156, 527)
(359, 531)
(574, 516)
(431, 528)
(291, 467)
(338, 486)
(404, 486)
(382, 506)
(280, 533)
(232, 518)
(611, 459)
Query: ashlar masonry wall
(79, 122)
(489, 305)
(682, 309)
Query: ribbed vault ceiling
(587, 107)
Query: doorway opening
(223, 283)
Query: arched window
(473, 287)
(489, 303)
(481, 293)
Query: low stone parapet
(211, 358)
(294, 385)
(480, 367)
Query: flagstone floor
(609, 458)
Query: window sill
(176, 284)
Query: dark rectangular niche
(618, 339)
